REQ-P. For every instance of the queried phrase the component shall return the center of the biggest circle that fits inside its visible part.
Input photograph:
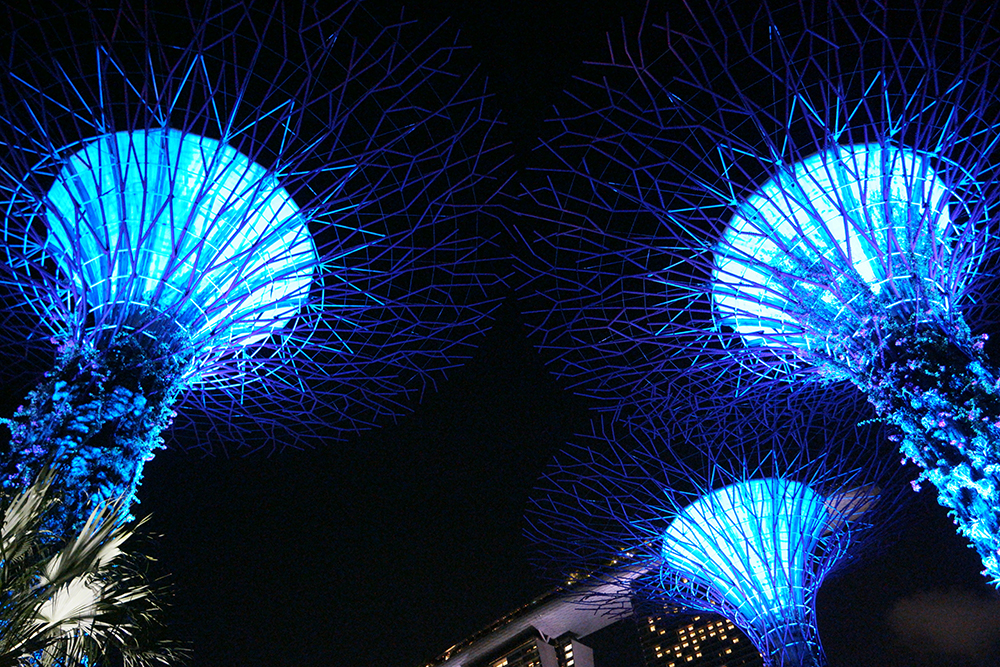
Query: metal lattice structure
(264, 224)
(743, 511)
(802, 194)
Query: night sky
(389, 548)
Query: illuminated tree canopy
(753, 202)
(160, 220)
(262, 224)
(829, 229)
(750, 541)
(737, 510)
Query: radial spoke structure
(742, 512)
(264, 222)
(802, 194)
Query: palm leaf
(77, 601)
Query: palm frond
(78, 601)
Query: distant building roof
(558, 612)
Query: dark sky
(387, 549)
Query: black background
(389, 548)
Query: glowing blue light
(843, 223)
(183, 225)
(751, 543)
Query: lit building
(525, 654)
(700, 641)
(555, 630)
(545, 632)
(534, 651)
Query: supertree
(263, 218)
(741, 511)
(799, 195)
